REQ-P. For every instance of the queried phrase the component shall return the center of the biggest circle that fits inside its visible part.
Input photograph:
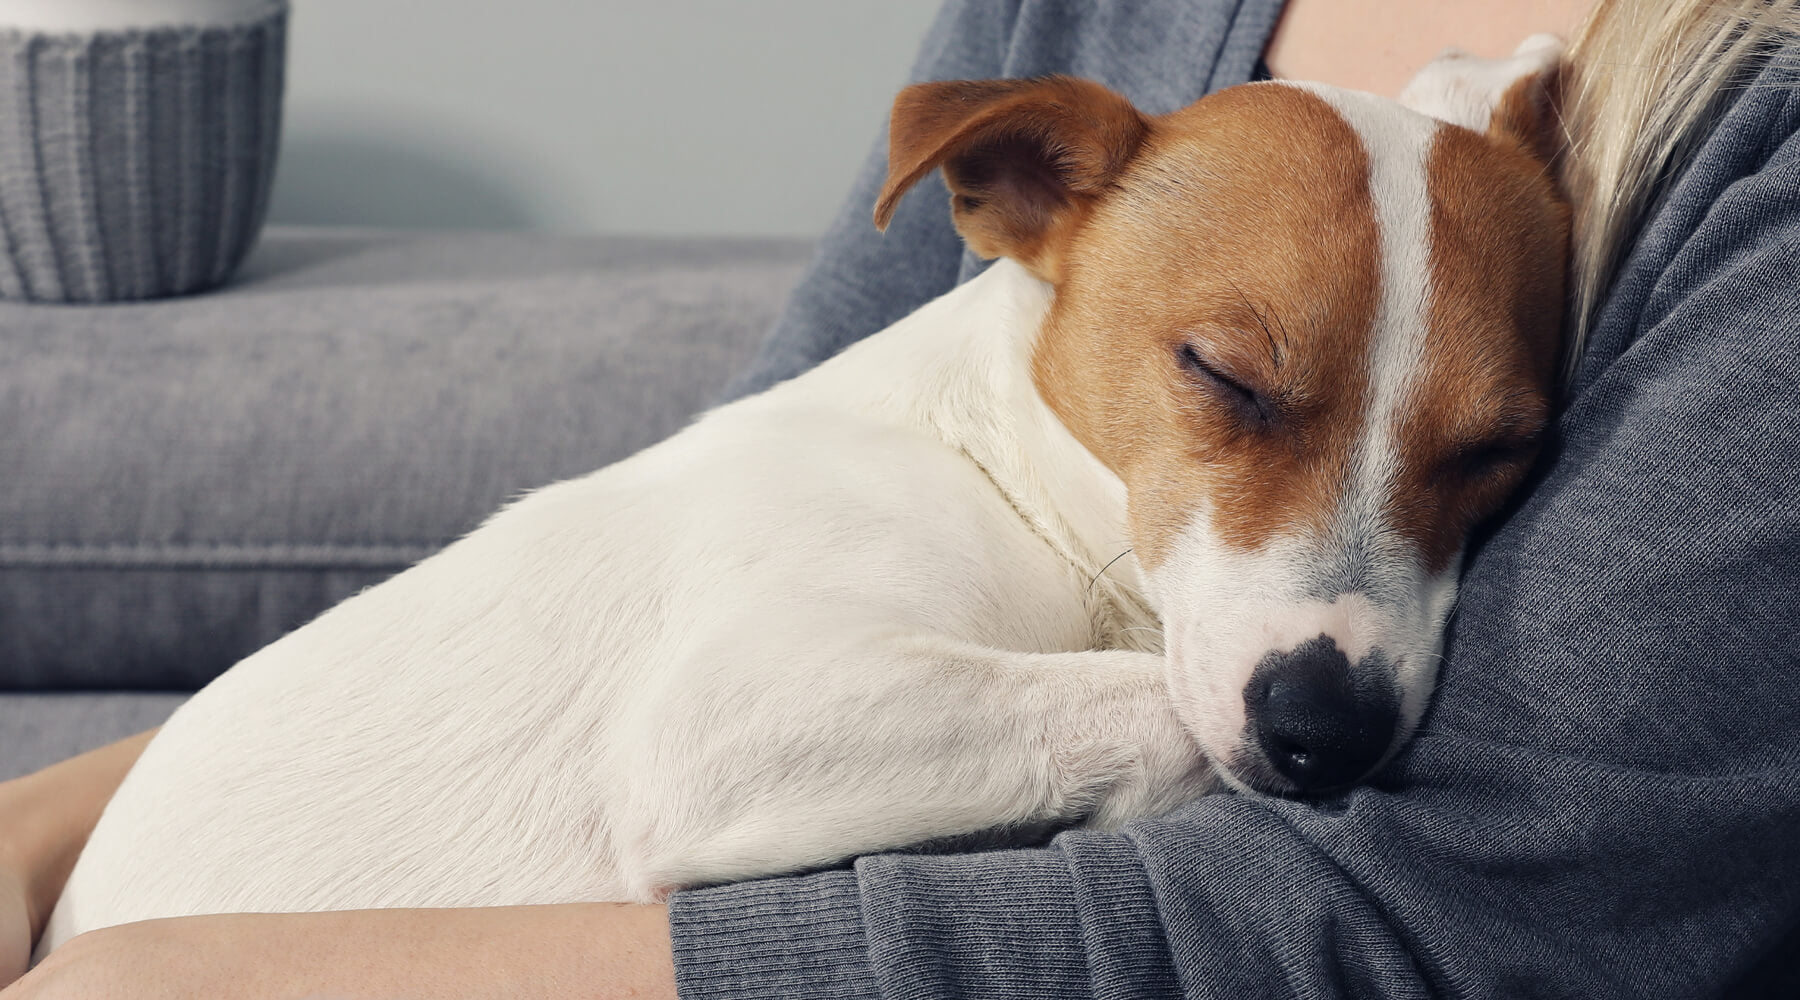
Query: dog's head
(1316, 335)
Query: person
(1605, 797)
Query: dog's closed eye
(1479, 460)
(1248, 404)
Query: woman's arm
(580, 950)
(1604, 800)
(45, 819)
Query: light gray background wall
(621, 116)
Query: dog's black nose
(1320, 724)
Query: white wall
(624, 116)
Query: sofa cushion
(37, 730)
(184, 481)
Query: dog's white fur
(879, 604)
(795, 632)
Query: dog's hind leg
(897, 743)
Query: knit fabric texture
(135, 164)
(1604, 799)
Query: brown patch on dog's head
(1499, 236)
(1209, 338)
(1218, 276)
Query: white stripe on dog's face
(1370, 563)
(1313, 332)
(1396, 146)
(1356, 582)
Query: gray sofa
(183, 481)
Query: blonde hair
(1644, 83)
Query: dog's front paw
(1164, 769)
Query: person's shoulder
(1755, 138)
(1734, 204)
(1760, 119)
(1741, 191)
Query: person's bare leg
(45, 818)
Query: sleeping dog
(1171, 497)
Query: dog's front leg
(757, 773)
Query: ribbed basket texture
(135, 164)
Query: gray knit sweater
(1605, 798)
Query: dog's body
(643, 678)
(893, 600)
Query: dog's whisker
(1103, 569)
(1268, 334)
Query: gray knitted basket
(135, 164)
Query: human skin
(580, 950)
(1377, 45)
(45, 819)
(522, 951)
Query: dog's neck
(960, 369)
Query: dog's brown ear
(1024, 159)
(1528, 114)
(1514, 99)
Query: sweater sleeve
(1028, 924)
(860, 280)
(1604, 800)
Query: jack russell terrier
(1173, 495)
